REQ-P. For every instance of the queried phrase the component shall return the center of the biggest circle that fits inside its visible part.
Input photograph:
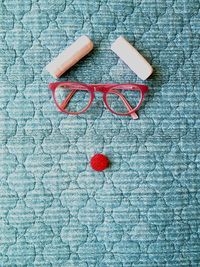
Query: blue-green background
(144, 210)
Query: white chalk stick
(136, 62)
(70, 56)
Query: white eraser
(136, 62)
(70, 56)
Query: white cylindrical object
(136, 62)
(70, 56)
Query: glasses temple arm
(67, 99)
(126, 103)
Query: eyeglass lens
(116, 98)
(71, 99)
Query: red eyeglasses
(121, 99)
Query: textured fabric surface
(142, 211)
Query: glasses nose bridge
(99, 88)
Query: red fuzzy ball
(99, 162)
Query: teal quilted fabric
(144, 210)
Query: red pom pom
(99, 162)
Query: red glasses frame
(103, 88)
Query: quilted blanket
(144, 210)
